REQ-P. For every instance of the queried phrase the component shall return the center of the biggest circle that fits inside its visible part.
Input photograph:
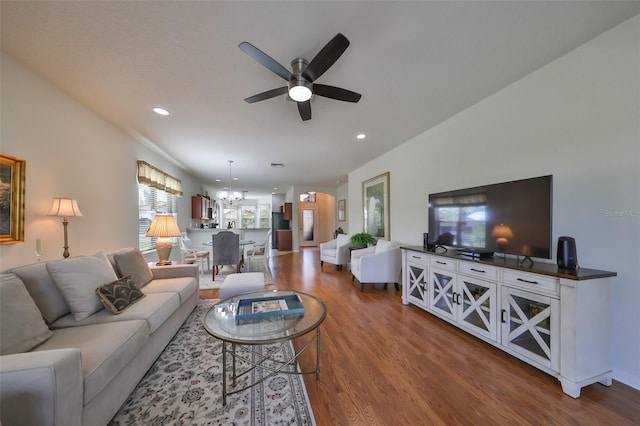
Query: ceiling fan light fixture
(299, 92)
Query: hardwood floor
(384, 363)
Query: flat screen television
(510, 218)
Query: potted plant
(362, 240)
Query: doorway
(307, 224)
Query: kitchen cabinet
(287, 211)
(284, 238)
(200, 207)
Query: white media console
(554, 319)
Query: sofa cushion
(106, 350)
(155, 309)
(119, 295)
(384, 245)
(78, 277)
(21, 325)
(132, 262)
(184, 286)
(43, 290)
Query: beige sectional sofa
(65, 360)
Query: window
(264, 216)
(157, 193)
(247, 216)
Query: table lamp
(502, 233)
(64, 207)
(163, 227)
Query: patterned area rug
(184, 387)
(206, 283)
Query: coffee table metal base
(245, 353)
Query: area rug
(207, 283)
(184, 387)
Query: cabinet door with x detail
(531, 326)
(478, 306)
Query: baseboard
(627, 378)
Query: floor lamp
(163, 227)
(65, 207)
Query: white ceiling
(415, 63)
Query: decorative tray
(272, 306)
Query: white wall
(72, 152)
(578, 118)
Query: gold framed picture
(375, 206)
(12, 190)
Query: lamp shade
(163, 225)
(64, 207)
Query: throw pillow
(78, 277)
(119, 295)
(133, 263)
(21, 325)
(43, 290)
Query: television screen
(511, 217)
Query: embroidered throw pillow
(118, 295)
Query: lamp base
(163, 248)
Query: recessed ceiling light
(160, 111)
(361, 136)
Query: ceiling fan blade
(304, 108)
(265, 60)
(267, 95)
(326, 57)
(336, 93)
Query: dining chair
(260, 251)
(192, 255)
(225, 250)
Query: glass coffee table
(240, 335)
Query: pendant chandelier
(229, 196)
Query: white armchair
(336, 251)
(381, 263)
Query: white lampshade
(163, 225)
(64, 207)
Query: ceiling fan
(302, 76)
